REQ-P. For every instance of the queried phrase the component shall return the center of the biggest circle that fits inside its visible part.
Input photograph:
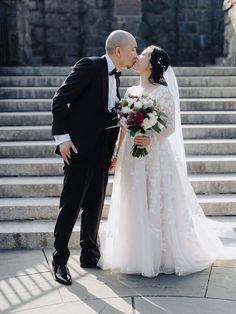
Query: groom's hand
(65, 150)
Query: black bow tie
(116, 73)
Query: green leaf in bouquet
(156, 128)
(162, 114)
(163, 122)
(133, 132)
(115, 118)
(124, 103)
(138, 152)
(114, 126)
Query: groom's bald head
(121, 47)
(118, 38)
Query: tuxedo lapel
(104, 69)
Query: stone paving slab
(222, 284)
(168, 305)
(94, 283)
(103, 306)
(15, 263)
(27, 292)
(27, 286)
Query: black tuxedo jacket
(79, 106)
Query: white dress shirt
(111, 98)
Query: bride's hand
(142, 141)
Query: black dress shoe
(61, 274)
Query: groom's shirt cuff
(62, 138)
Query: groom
(82, 111)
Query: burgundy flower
(138, 117)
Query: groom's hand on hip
(65, 150)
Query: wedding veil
(176, 138)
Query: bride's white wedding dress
(155, 223)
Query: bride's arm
(166, 102)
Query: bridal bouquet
(139, 114)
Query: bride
(155, 224)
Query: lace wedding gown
(155, 223)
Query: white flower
(152, 116)
(138, 104)
(148, 123)
(126, 109)
(147, 103)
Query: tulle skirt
(155, 224)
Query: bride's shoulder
(132, 90)
(165, 91)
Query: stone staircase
(31, 174)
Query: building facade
(58, 32)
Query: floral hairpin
(161, 65)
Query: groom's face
(128, 54)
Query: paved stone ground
(27, 286)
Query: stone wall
(230, 32)
(55, 31)
(200, 31)
(60, 32)
(15, 33)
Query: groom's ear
(118, 51)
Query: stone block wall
(15, 39)
(59, 32)
(200, 35)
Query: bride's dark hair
(160, 61)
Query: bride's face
(143, 63)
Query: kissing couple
(155, 224)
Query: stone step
(15, 167)
(210, 146)
(25, 105)
(45, 118)
(64, 71)
(33, 81)
(25, 118)
(205, 71)
(36, 186)
(27, 149)
(206, 131)
(21, 133)
(36, 70)
(125, 80)
(207, 117)
(218, 205)
(51, 186)
(213, 183)
(35, 208)
(39, 133)
(185, 92)
(206, 104)
(211, 164)
(207, 81)
(187, 104)
(32, 234)
(12, 209)
(39, 234)
(37, 149)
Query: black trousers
(83, 189)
